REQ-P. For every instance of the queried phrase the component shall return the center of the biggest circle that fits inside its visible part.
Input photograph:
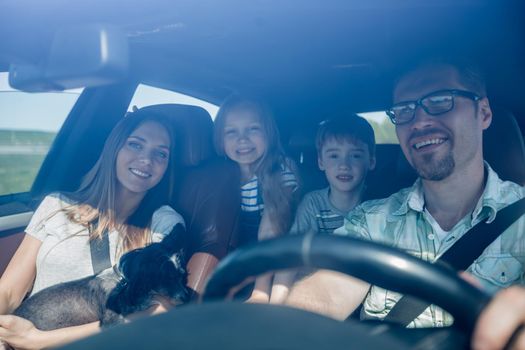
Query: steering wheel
(217, 323)
(377, 264)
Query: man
(440, 111)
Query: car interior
(308, 60)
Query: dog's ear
(172, 280)
(127, 262)
(155, 268)
(179, 262)
(176, 240)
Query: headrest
(301, 145)
(193, 128)
(303, 138)
(503, 146)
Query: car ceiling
(308, 58)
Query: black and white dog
(155, 270)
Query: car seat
(503, 146)
(205, 193)
(301, 148)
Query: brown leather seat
(206, 193)
(193, 129)
(208, 199)
(503, 146)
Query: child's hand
(266, 228)
(279, 294)
(259, 297)
(266, 235)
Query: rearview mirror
(82, 56)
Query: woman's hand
(19, 332)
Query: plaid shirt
(391, 221)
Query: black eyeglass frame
(454, 92)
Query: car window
(29, 123)
(384, 130)
(147, 95)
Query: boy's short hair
(346, 128)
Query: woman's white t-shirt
(65, 252)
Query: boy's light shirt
(317, 214)
(389, 221)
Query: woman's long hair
(95, 206)
(279, 200)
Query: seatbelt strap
(99, 248)
(460, 256)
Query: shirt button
(430, 236)
(503, 278)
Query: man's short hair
(346, 128)
(470, 73)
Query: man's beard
(432, 169)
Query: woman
(121, 197)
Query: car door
(28, 127)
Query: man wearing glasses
(440, 111)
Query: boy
(346, 153)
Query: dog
(142, 274)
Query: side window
(29, 123)
(146, 95)
(384, 130)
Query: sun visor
(80, 56)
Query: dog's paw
(111, 318)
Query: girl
(246, 133)
(121, 197)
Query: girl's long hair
(279, 200)
(94, 202)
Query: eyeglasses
(435, 103)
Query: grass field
(19, 137)
(21, 155)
